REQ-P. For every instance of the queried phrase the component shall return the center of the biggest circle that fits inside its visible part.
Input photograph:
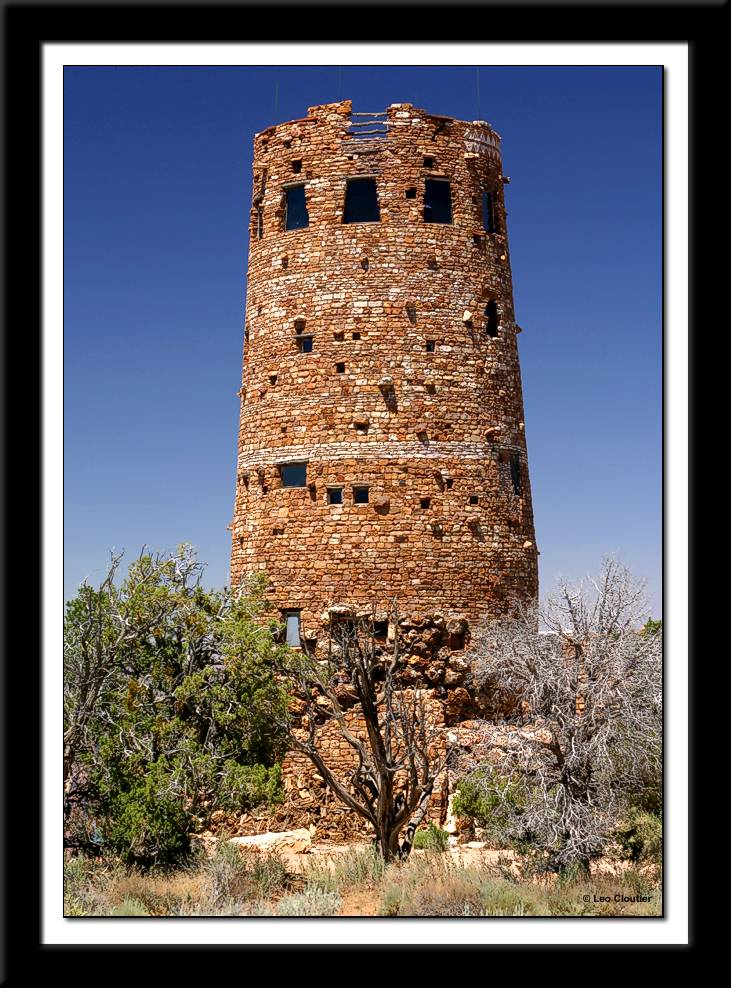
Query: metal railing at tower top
(368, 126)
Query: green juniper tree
(169, 691)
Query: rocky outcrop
(289, 841)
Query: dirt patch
(361, 903)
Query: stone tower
(381, 449)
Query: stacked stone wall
(408, 390)
(431, 433)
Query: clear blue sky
(157, 186)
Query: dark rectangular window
(437, 202)
(304, 344)
(515, 475)
(340, 368)
(292, 624)
(297, 165)
(380, 630)
(488, 211)
(361, 201)
(360, 495)
(411, 193)
(474, 499)
(259, 223)
(430, 346)
(429, 162)
(293, 474)
(296, 215)
(335, 495)
(492, 319)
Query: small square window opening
(361, 201)
(293, 474)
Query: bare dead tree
(587, 678)
(399, 750)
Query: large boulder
(290, 841)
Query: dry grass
(356, 868)
(437, 886)
(236, 883)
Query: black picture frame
(26, 27)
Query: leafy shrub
(171, 720)
(641, 837)
(77, 887)
(432, 838)
(244, 786)
(130, 907)
(494, 802)
(144, 823)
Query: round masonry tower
(381, 448)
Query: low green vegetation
(640, 837)
(494, 802)
(431, 838)
(171, 707)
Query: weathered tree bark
(397, 762)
